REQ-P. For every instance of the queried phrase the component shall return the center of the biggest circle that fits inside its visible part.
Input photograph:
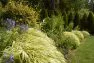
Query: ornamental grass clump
(79, 35)
(32, 47)
(70, 41)
(86, 34)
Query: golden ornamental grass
(33, 47)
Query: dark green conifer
(91, 22)
(84, 23)
(76, 20)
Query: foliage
(1, 9)
(76, 19)
(6, 38)
(86, 34)
(52, 6)
(87, 22)
(55, 23)
(73, 4)
(47, 24)
(32, 47)
(77, 28)
(65, 17)
(90, 22)
(79, 35)
(3, 40)
(69, 41)
(68, 20)
(54, 27)
(20, 13)
(91, 5)
(33, 3)
(4, 2)
(83, 11)
(79, 4)
(70, 27)
(70, 17)
(84, 22)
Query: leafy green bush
(32, 47)
(21, 13)
(86, 34)
(70, 27)
(79, 35)
(69, 41)
(83, 11)
(54, 27)
(47, 24)
(55, 23)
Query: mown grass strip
(84, 53)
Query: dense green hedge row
(74, 38)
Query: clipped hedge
(79, 35)
(86, 34)
(32, 47)
(70, 40)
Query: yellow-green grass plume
(33, 47)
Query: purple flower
(11, 59)
(13, 23)
(7, 58)
(10, 23)
(24, 27)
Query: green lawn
(84, 53)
